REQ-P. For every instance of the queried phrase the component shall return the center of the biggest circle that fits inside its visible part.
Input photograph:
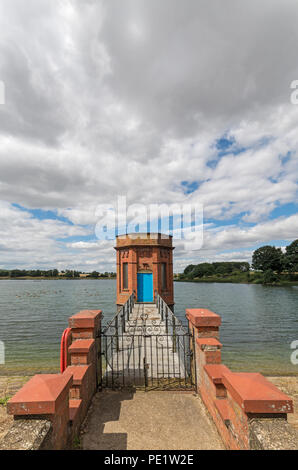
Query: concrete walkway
(123, 420)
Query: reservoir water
(258, 323)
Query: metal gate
(146, 346)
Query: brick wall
(62, 399)
(236, 400)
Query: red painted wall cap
(203, 317)
(255, 394)
(84, 319)
(40, 395)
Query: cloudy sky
(159, 101)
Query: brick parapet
(83, 351)
(63, 399)
(144, 239)
(234, 400)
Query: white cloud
(283, 228)
(108, 98)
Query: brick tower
(144, 266)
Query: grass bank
(284, 280)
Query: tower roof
(144, 239)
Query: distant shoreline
(42, 278)
(204, 280)
(233, 281)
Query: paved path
(120, 420)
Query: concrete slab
(124, 420)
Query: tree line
(268, 264)
(272, 261)
(52, 273)
(209, 269)
(271, 258)
(15, 273)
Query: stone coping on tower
(144, 239)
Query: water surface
(258, 323)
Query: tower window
(125, 275)
(163, 276)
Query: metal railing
(136, 350)
(122, 315)
(174, 328)
(166, 314)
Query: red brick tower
(144, 266)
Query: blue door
(145, 287)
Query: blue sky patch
(190, 186)
(78, 238)
(276, 243)
(224, 143)
(285, 158)
(41, 214)
(284, 210)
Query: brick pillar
(84, 363)
(205, 327)
(85, 324)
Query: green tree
(94, 275)
(291, 257)
(221, 268)
(69, 274)
(189, 269)
(203, 269)
(270, 277)
(268, 257)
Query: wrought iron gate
(146, 346)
